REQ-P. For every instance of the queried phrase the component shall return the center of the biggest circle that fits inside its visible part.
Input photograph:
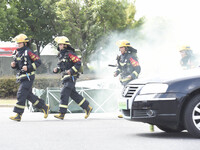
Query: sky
(183, 14)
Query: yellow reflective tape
(74, 69)
(63, 106)
(18, 58)
(82, 102)
(32, 57)
(24, 75)
(122, 64)
(34, 66)
(136, 74)
(19, 106)
(126, 79)
(36, 103)
(64, 77)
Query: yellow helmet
(21, 38)
(123, 43)
(185, 48)
(62, 40)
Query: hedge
(9, 87)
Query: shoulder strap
(25, 57)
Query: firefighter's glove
(13, 64)
(116, 73)
(129, 77)
(56, 70)
(126, 79)
(68, 72)
(24, 68)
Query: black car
(172, 104)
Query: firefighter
(128, 65)
(188, 60)
(26, 63)
(69, 65)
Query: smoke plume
(168, 25)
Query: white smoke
(181, 28)
(169, 24)
(183, 16)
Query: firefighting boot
(60, 116)
(45, 109)
(120, 116)
(17, 117)
(151, 127)
(87, 111)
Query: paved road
(99, 132)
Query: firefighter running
(26, 63)
(69, 65)
(128, 65)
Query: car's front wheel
(192, 116)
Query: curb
(7, 105)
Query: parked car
(171, 103)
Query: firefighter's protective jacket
(25, 57)
(128, 65)
(189, 62)
(68, 60)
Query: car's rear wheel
(192, 116)
(169, 130)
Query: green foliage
(3, 15)
(84, 22)
(44, 81)
(9, 88)
(37, 19)
(12, 25)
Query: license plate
(123, 104)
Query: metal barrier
(102, 99)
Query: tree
(8, 21)
(36, 19)
(2, 16)
(86, 22)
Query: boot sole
(16, 119)
(59, 118)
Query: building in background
(7, 48)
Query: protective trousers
(25, 92)
(67, 91)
